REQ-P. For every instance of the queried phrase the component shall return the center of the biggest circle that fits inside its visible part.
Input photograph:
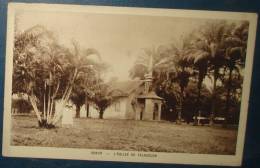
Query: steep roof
(127, 87)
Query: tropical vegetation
(199, 74)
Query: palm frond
(91, 51)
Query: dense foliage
(47, 72)
(199, 74)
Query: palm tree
(208, 55)
(78, 62)
(167, 60)
(149, 60)
(85, 82)
(199, 59)
(42, 69)
(102, 96)
(182, 70)
(36, 70)
(78, 97)
(235, 57)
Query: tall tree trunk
(228, 96)
(101, 113)
(197, 105)
(199, 86)
(77, 111)
(53, 101)
(213, 99)
(87, 110)
(44, 102)
(49, 104)
(35, 109)
(202, 68)
(181, 107)
(65, 97)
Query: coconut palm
(199, 59)
(236, 44)
(150, 60)
(180, 67)
(208, 55)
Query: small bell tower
(151, 103)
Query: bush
(22, 106)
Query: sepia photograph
(127, 84)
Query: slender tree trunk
(181, 107)
(86, 107)
(101, 113)
(42, 123)
(44, 102)
(77, 111)
(49, 104)
(51, 110)
(35, 109)
(197, 106)
(213, 99)
(87, 110)
(228, 97)
(202, 68)
(65, 97)
(44, 120)
(198, 103)
(53, 101)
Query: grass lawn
(126, 135)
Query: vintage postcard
(127, 84)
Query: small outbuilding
(152, 105)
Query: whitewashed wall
(116, 110)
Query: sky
(118, 38)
